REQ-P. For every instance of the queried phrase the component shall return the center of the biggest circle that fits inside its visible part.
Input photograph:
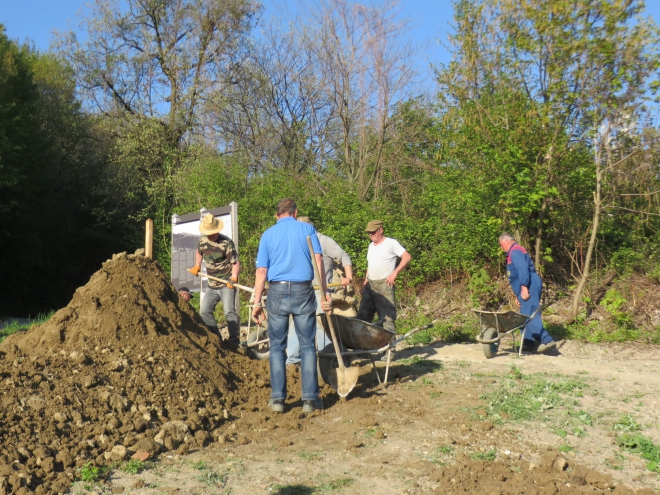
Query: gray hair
(507, 237)
(306, 219)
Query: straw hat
(210, 225)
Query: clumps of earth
(127, 367)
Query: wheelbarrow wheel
(260, 351)
(490, 350)
(328, 363)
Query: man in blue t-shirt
(527, 287)
(285, 261)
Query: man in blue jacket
(527, 287)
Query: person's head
(306, 220)
(506, 241)
(185, 293)
(211, 226)
(287, 208)
(375, 230)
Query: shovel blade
(343, 379)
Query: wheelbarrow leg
(522, 339)
(373, 363)
(387, 367)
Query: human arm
(348, 280)
(366, 281)
(326, 302)
(198, 264)
(405, 259)
(259, 285)
(522, 268)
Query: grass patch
(527, 396)
(211, 478)
(14, 327)
(626, 424)
(448, 331)
(91, 474)
(134, 466)
(334, 485)
(420, 364)
(565, 448)
(485, 456)
(314, 456)
(644, 446)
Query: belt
(283, 282)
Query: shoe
(546, 347)
(529, 346)
(309, 406)
(276, 405)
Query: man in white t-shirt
(378, 290)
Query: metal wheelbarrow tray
(359, 338)
(496, 324)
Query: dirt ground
(430, 432)
(128, 368)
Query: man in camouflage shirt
(221, 260)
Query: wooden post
(149, 239)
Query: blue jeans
(297, 300)
(293, 345)
(210, 300)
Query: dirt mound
(127, 366)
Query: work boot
(309, 406)
(546, 347)
(276, 405)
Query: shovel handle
(340, 360)
(226, 282)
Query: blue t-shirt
(283, 250)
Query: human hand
(231, 282)
(517, 302)
(524, 293)
(327, 304)
(363, 288)
(256, 313)
(391, 280)
(195, 270)
(346, 281)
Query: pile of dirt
(127, 366)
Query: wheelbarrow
(358, 338)
(496, 324)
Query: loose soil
(128, 367)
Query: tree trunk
(592, 241)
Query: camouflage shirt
(218, 256)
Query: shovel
(342, 379)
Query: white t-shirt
(381, 259)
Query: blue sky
(38, 19)
(430, 22)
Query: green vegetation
(565, 448)
(421, 365)
(485, 456)
(14, 327)
(526, 397)
(91, 474)
(91, 146)
(311, 456)
(134, 466)
(644, 446)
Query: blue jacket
(520, 269)
(284, 252)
